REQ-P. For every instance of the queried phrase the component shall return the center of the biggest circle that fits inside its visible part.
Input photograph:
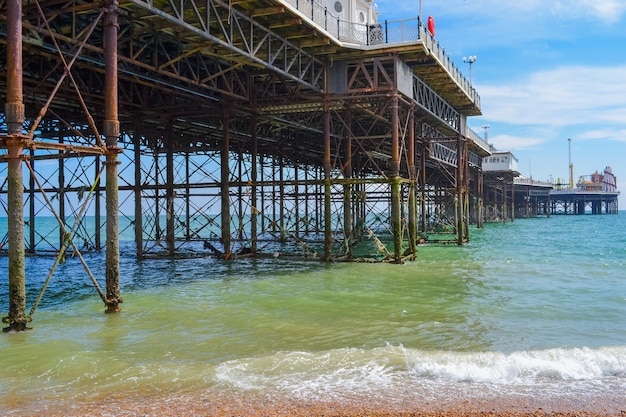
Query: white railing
(479, 141)
(383, 33)
(530, 181)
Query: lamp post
(486, 127)
(420, 15)
(470, 60)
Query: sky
(546, 71)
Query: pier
(233, 129)
(508, 194)
(229, 129)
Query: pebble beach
(231, 405)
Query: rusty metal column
(281, 199)
(347, 190)
(225, 182)
(170, 215)
(481, 189)
(111, 132)
(253, 193)
(423, 147)
(137, 190)
(412, 183)
(328, 232)
(505, 209)
(14, 140)
(187, 198)
(513, 199)
(61, 191)
(97, 208)
(296, 200)
(396, 215)
(458, 200)
(31, 206)
(466, 190)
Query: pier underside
(217, 129)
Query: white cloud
(514, 143)
(560, 97)
(609, 11)
(617, 135)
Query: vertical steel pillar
(157, 190)
(466, 183)
(423, 148)
(97, 207)
(307, 228)
(347, 189)
(281, 198)
(512, 199)
(61, 191)
(225, 182)
(137, 190)
(187, 198)
(253, 193)
(296, 199)
(480, 218)
(273, 223)
(412, 183)
(319, 195)
(460, 182)
(31, 206)
(396, 215)
(240, 214)
(14, 111)
(505, 209)
(111, 131)
(170, 214)
(262, 205)
(328, 232)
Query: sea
(534, 308)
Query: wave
(390, 367)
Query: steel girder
(247, 41)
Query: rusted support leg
(137, 190)
(170, 215)
(412, 184)
(15, 211)
(13, 141)
(30, 248)
(466, 188)
(422, 181)
(281, 199)
(97, 207)
(254, 220)
(111, 131)
(513, 201)
(480, 215)
(225, 183)
(347, 189)
(505, 209)
(396, 207)
(328, 232)
(459, 197)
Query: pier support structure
(13, 141)
(228, 139)
(111, 133)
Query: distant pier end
(593, 194)
(509, 195)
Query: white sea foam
(394, 367)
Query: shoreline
(221, 404)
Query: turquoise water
(536, 305)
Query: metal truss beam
(243, 37)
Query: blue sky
(546, 71)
